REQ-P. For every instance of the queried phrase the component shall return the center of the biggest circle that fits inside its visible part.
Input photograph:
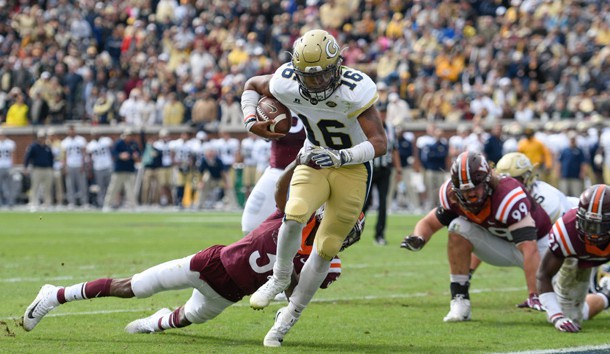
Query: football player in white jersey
(101, 157)
(336, 104)
(73, 147)
(7, 149)
(551, 199)
(182, 159)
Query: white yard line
(583, 349)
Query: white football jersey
(164, 147)
(7, 147)
(73, 148)
(551, 199)
(101, 154)
(227, 150)
(261, 153)
(247, 150)
(182, 151)
(333, 122)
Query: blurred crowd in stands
(170, 62)
(142, 63)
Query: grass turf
(387, 299)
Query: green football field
(387, 299)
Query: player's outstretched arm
(423, 231)
(549, 266)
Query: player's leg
(350, 185)
(309, 188)
(261, 202)
(170, 275)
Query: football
(268, 108)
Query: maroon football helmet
(593, 215)
(470, 174)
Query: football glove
(354, 234)
(327, 157)
(565, 324)
(532, 302)
(413, 243)
(304, 155)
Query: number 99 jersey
(333, 122)
(508, 204)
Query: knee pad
(298, 209)
(143, 284)
(328, 248)
(200, 308)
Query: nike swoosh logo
(30, 314)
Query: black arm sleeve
(445, 216)
(527, 233)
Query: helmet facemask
(319, 85)
(473, 198)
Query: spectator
(7, 152)
(205, 112)
(73, 151)
(125, 154)
(494, 144)
(173, 111)
(435, 156)
(227, 149)
(100, 154)
(54, 142)
(38, 163)
(39, 112)
(213, 178)
(537, 152)
(398, 111)
(571, 167)
(130, 110)
(231, 118)
(17, 114)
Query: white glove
(565, 324)
(327, 157)
(305, 154)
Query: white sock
(170, 320)
(312, 275)
(75, 292)
(458, 278)
(288, 244)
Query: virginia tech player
(490, 216)
(551, 199)
(344, 133)
(579, 241)
(220, 276)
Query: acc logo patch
(331, 104)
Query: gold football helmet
(316, 58)
(518, 166)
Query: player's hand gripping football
(261, 128)
(532, 302)
(413, 243)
